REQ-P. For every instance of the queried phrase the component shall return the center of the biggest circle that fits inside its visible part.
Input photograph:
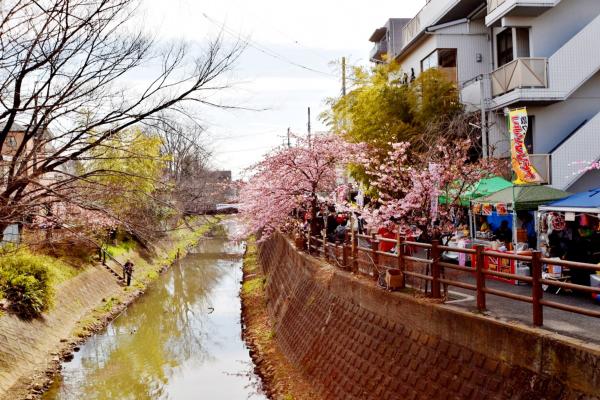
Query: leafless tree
(65, 68)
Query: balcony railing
(493, 4)
(379, 49)
(412, 29)
(520, 73)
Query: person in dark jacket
(128, 271)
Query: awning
(526, 198)
(484, 187)
(584, 202)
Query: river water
(181, 340)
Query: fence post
(400, 261)
(374, 249)
(345, 250)
(435, 269)
(324, 237)
(479, 269)
(103, 257)
(354, 252)
(537, 292)
(308, 240)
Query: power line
(263, 49)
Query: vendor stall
(570, 229)
(483, 187)
(507, 207)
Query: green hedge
(27, 280)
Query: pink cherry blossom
(291, 179)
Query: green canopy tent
(484, 187)
(521, 198)
(526, 198)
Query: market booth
(569, 229)
(483, 187)
(505, 222)
(516, 205)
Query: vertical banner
(434, 170)
(360, 198)
(525, 173)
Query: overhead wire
(263, 49)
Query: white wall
(498, 134)
(589, 180)
(469, 39)
(551, 30)
(554, 122)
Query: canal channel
(181, 340)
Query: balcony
(519, 74)
(497, 9)
(378, 51)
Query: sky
(305, 40)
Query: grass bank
(37, 371)
(280, 378)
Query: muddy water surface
(181, 340)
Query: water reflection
(180, 341)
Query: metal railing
(493, 4)
(103, 255)
(379, 49)
(530, 72)
(360, 254)
(411, 29)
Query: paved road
(563, 322)
(558, 321)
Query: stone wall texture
(353, 340)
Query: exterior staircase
(575, 62)
(582, 145)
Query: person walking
(128, 271)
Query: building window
(523, 42)
(445, 60)
(11, 141)
(504, 44)
(431, 61)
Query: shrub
(25, 281)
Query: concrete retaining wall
(356, 341)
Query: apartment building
(541, 54)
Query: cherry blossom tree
(293, 178)
(408, 186)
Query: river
(180, 340)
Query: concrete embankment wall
(353, 340)
(25, 346)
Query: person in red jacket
(387, 231)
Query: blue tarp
(589, 199)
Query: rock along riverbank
(280, 379)
(31, 352)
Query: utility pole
(288, 138)
(309, 127)
(484, 126)
(343, 76)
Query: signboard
(524, 170)
(487, 209)
(497, 264)
(569, 216)
(501, 209)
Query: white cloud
(311, 33)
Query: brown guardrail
(350, 255)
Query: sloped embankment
(31, 351)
